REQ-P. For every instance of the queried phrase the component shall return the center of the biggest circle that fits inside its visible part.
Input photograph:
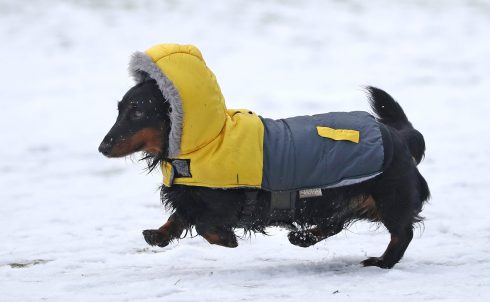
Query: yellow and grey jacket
(216, 147)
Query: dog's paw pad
(376, 261)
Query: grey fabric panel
(296, 157)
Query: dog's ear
(144, 77)
(157, 90)
(150, 80)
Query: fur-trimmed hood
(208, 144)
(198, 110)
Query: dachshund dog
(394, 198)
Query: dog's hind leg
(400, 239)
(171, 230)
(397, 214)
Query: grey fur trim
(140, 68)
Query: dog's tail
(390, 113)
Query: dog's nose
(105, 148)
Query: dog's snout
(105, 148)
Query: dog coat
(212, 146)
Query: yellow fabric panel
(161, 50)
(202, 102)
(233, 159)
(167, 171)
(339, 134)
(225, 147)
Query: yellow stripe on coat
(339, 134)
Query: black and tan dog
(394, 196)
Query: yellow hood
(198, 107)
(223, 148)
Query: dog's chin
(123, 152)
(138, 148)
(151, 150)
(118, 155)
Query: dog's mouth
(146, 140)
(123, 148)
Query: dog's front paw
(156, 237)
(302, 238)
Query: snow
(71, 220)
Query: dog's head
(142, 123)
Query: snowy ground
(71, 220)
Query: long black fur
(390, 113)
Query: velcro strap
(283, 200)
(283, 206)
(175, 168)
(182, 167)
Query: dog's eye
(136, 114)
